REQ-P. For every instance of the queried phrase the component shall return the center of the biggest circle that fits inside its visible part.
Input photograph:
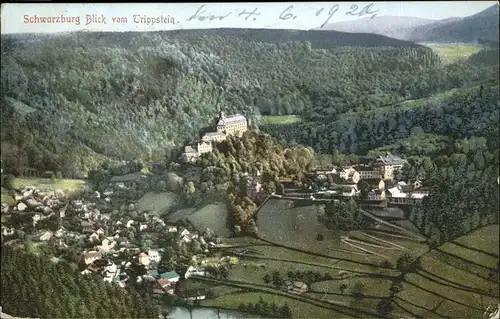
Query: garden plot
(212, 216)
(159, 202)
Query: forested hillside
(456, 114)
(34, 286)
(70, 101)
(482, 25)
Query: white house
(94, 237)
(142, 227)
(194, 271)
(188, 237)
(46, 236)
(130, 223)
(154, 255)
(108, 192)
(172, 229)
(60, 232)
(184, 232)
(91, 256)
(106, 245)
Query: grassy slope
(279, 119)
(451, 53)
(456, 285)
(159, 202)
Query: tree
(8, 181)
(358, 290)
(364, 188)
(395, 288)
(285, 311)
(384, 308)
(224, 273)
(386, 264)
(189, 190)
(267, 278)
(276, 279)
(404, 262)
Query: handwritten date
(354, 10)
(201, 13)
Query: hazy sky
(15, 17)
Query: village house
(88, 226)
(172, 229)
(8, 231)
(183, 232)
(94, 237)
(349, 174)
(376, 195)
(295, 287)
(154, 255)
(36, 218)
(91, 269)
(376, 183)
(188, 238)
(324, 171)
(158, 220)
(143, 259)
(192, 271)
(46, 236)
(162, 286)
(350, 191)
(254, 188)
(61, 231)
(389, 165)
(143, 227)
(407, 193)
(367, 172)
(90, 257)
(107, 245)
(171, 276)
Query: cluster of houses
(380, 177)
(231, 125)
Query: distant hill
(482, 25)
(317, 38)
(392, 26)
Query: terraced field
(344, 272)
(457, 280)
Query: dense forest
(72, 101)
(35, 286)
(457, 114)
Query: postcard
(261, 160)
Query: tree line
(37, 287)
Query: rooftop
(363, 168)
(373, 181)
(390, 159)
(215, 134)
(169, 275)
(189, 149)
(233, 119)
